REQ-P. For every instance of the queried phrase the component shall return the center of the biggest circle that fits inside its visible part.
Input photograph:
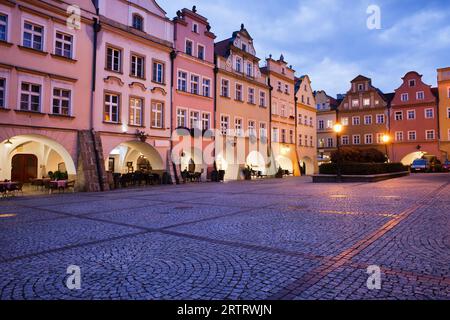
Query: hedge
(362, 168)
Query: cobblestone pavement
(269, 239)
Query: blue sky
(329, 39)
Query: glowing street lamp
(386, 139)
(338, 129)
(8, 144)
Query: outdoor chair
(71, 185)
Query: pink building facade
(132, 96)
(46, 79)
(193, 92)
(413, 120)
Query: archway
(256, 161)
(132, 156)
(29, 156)
(307, 166)
(409, 158)
(285, 163)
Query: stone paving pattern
(269, 239)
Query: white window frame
(30, 94)
(345, 121)
(409, 135)
(6, 24)
(382, 116)
(368, 136)
(132, 109)
(432, 113)
(399, 136)
(354, 138)
(345, 140)
(182, 116)
(251, 96)
(241, 91)
(195, 119)
(159, 112)
(417, 95)
(404, 97)
(206, 86)
(224, 124)
(252, 131)
(262, 98)
(236, 60)
(239, 132)
(356, 123)
(63, 86)
(275, 134)
(430, 131)
(192, 54)
(120, 64)
(262, 129)
(192, 83)
(137, 56)
(199, 45)
(4, 90)
(38, 24)
(368, 102)
(398, 113)
(72, 43)
(195, 28)
(222, 81)
(365, 120)
(407, 114)
(179, 78)
(159, 72)
(207, 120)
(111, 105)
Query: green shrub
(349, 154)
(362, 168)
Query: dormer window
(412, 83)
(244, 47)
(195, 27)
(360, 87)
(138, 22)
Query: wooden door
(24, 167)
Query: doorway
(24, 167)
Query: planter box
(330, 178)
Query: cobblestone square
(268, 239)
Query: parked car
(446, 166)
(420, 165)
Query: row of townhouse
(112, 86)
(407, 124)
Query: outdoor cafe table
(9, 184)
(60, 184)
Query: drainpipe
(97, 29)
(216, 72)
(173, 56)
(296, 131)
(269, 134)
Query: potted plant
(280, 173)
(247, 171)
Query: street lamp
(338, 129)
(386, 139)
(8, 144)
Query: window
(355, 103)
(356, 139)
(135, 111)
(195, 120)
(181, 118)
(420, 95)
(321, 125)
(239, 92)
(286, 90)
(307, 101)
(112, 107)
(224, 124)
(291, 136)
(411, 114)
(157, 115)
(399, 136)
(249, 70)
(398, 115)
(283, 110)
(380, 137)
(30, 97)
(283, 135)
(33, 36)
(360, 87)
(448, 92)
(429, 113)
(61, 101)
(448, 113)
(244, 47)
(275, 135)
(225, 92)
(138, 22)
(238, 127)
(158, 72)
(206, 87)
(368, 138)
(430, 134)
(262, 99)
(311, 121)
(300, 140)
(189, 47)
(2, 92)
(411, 135)
(137, 66)
(201, 52)
(412, 83)
(311, 141)
(344, 121)
(366, 102)
(279, 86)
(113, 59)
(63, 45)
(330, 143)
(380, 119)
(195, 27)
(238, 64)
(251, 95)
(251, 128)
(367, 120)
(329, 124)
(345, 140)
(3, 27)
(182, 81)
(404, 97)
(306, 141)
(195, 85)
(356, 121)
(206, 121)
(262, 130)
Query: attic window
(412, 83)
(195, 27)
(360, 87)
(244, 47)
(138, 22)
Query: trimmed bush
(362, 168)
(358, 155)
